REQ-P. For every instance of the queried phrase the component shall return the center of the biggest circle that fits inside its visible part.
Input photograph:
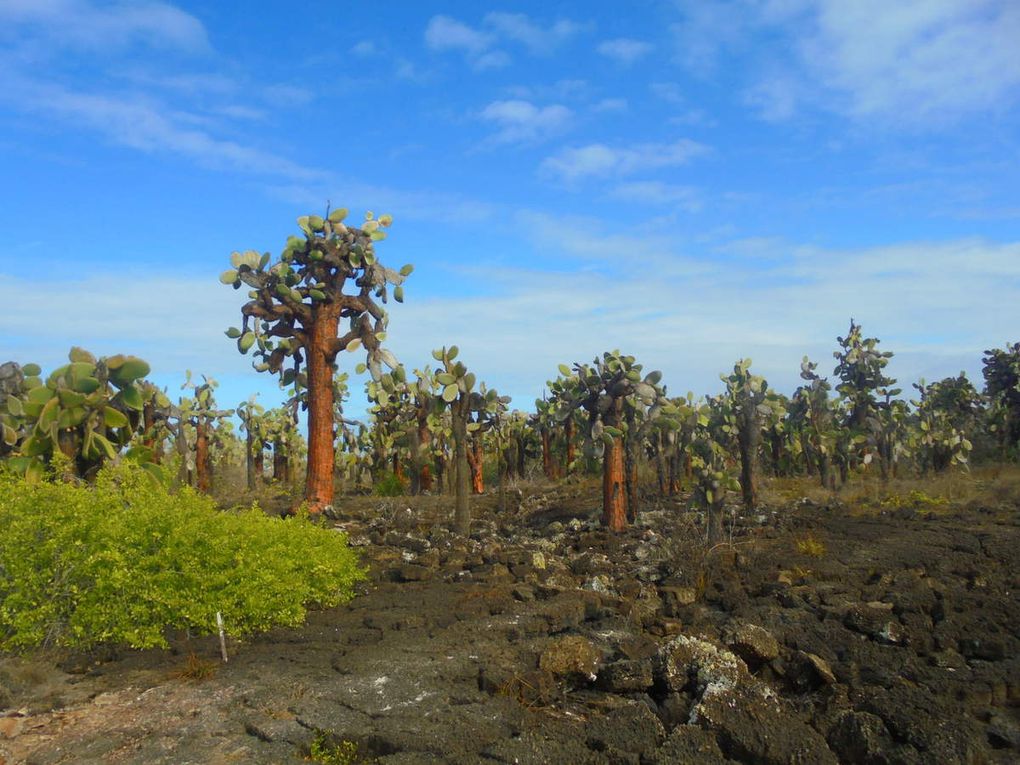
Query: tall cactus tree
(859, 368)
(293, 318)
(745, 404)
(251, 414)
(89, 410)
(607, 389)
(465, 402)
(1001, 370)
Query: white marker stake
(223, 637)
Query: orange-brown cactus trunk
(475, 458)
(568, 432)
(319, 479)
(203, 481)
(614, 490)
(424, 442)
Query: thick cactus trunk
(319, 479)
(249, 461)
(462, 505)
(568, 434)
(203, 477)
(748, 440)
(476, 462)
(614, 491)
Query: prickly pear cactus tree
(710, 463)
(1001, 370)
(811, 417)
(15, 382)
(546, 421)
(745, 408)
(251, 414)
(471, 410)
(89, 410)
(324, 295)
(946, 413)
(200, 413)
(859, 369)
(280, 433)
(390, 397)
(611, 389)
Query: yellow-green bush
(124, 561)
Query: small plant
(324, 749)
(915, 498)
(390, 485)
(196, 668)
(810, 546)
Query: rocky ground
(816, 634)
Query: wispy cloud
(147, 126)
(624, 50)
(600, 160)
(611, 105)
(89, 25)
(483, 46)
(686, 198)
(916, 61)
(539, 39)
(521, 121)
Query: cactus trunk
(547, 461)
(614, 493)
(568, 434)
(319, 477)
(475, 461)
(203, 477)
(462, 506)
(748, 439)
(249, 459)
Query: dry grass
(996, 486)
(195, 668)
(810, 546)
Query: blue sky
(693, 183)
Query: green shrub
(390, 485)
(124, 561)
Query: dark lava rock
(414, 573)
(860, 737)
(689, 744)
(754, 727)
(531, 748)
(754, 644)
(633, 728)
(626, 676)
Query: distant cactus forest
(435, 427)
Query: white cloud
(611, 105)
(916, 60)
(914, 63)
(481, 46)
(540, 39)
(600, 160)
(147, 126)
(445, 33)
(624, 49)
(936, 305)
(83, 24)
(365, 49)
(774, 98)
(685, 198)
(521, 121)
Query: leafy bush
(125, 561)
(390, 485)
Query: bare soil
(817, 633)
